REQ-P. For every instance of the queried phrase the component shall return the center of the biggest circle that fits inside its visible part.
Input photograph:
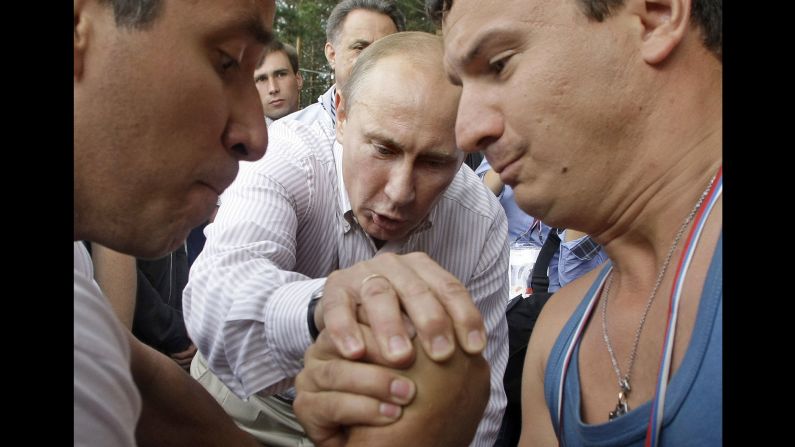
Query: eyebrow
(385, 140)
(392, 144)
(359, 41)
(249, 25)
(490, 36)
(253, 26)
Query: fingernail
(476, 340)
(401, 389)
(389, 410)
(352, 345)
(398, 346)
(441, 346)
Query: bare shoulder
(449, 404)
(536, 422)
(558, 310)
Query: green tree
(302, 23)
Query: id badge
(522, 259)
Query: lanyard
(658, 402)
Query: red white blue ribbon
(658, 402)
(663, 374)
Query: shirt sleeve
(244, 306)
(107, 404)
(578, 257)
(489, 290)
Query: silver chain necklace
(623, 381)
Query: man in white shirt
(278, 81)
(133, 196)
(386, 182)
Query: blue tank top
(694, 400)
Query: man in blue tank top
(606, 117)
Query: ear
(82, 29)
(665, 23)
(299, 80)
(331, 55)
(342, 115)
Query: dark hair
(135, 13)
(706, 14)
(286, 48)
(343, 8)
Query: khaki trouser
(268, 419)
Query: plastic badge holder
(522, 259)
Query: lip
(507, 168)
(388, 223)
(276, 102)
(222, 180)
(509, 174)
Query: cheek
(429, 187)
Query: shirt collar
(327, 101)
(342, 199)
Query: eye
(381, 150)
(261, 78)
(227, 62)
(497, 63)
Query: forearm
(489, 290)
(176, 409)
(116, 275)
(257, 344)
(245, 306)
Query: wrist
(310, 314)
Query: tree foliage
(302, 23)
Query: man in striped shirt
(314, 220)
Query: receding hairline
(412, 47)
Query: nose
(246, 135)
(478, 123)
(273, 88)
(400, 185)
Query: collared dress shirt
(286, 224)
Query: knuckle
(432, 323)
(417, 290)
(328, 373)
(376, 286)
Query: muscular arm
(536, 422)
(116, 275)
(176, 409)
(537, 429)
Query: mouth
(388, 223)
(508, 171)
(276, 102)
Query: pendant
(622, 407)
